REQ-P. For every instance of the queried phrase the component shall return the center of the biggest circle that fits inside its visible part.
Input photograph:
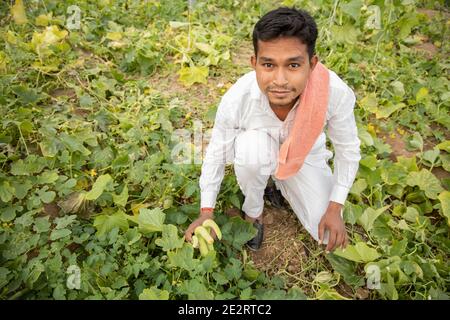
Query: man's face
(282, 69)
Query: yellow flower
(401, 131)
(92, 173)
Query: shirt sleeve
(220, 150)
(343, 133)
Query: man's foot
(274, 196)
(255, 243)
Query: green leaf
(121, 199)
(59, 233)
(386, 111)
(149, 220)
(426, 181)
(48, 177)
(359, 252)
(6, 191)
(41, 224)
(353, 8)
(358, 187)
(46, 196)
(369, 162)
(26, 95)
(398, 88)
(369, 216)
(183, 258)
(347, 269)
(191, 75)
(105, 223)
(195, 290)
(154, 294)
(345, 34)
(238, 232)
(444, 197)
(444, 146)
(65, 221)
(169, 239)
(416, 141)
(99, 186)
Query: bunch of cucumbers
(202, 238)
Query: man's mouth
(279, 93)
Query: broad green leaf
(358, 187)
(41, 224)
(426, 181)
(352, 212)
(65, 221)
(444, 146)
(238, 232)
(445, 158)
(154, 294)
(431, 155)
(422, 94)
(398, 88)
(345, 268)
(18, 12)
(345, 34)
(48, 177)
(416, 141)
(353, 8)
(149, 220)
(386, 111)
(444, 197)
(122, 198)
(41, 42)
(183, 258)
(359, 252)
(105, 223)
(46, 196)
(365, 137)
(195, 290)
(408, 163)
(369, 162)
(59, 233)
(369, 216)
(191, 75)
(169, 239)
(370, 102)
(99, 186)
(6, 191)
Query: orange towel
(308, 123)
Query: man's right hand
(205, 213)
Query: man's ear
(253, 61)
(313, 62)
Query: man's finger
(213, 234)
(321, 231)
(346, 240)
(188, 234)
(331, 240)
(341, 239)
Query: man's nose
(280, 79)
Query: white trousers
(307, 192)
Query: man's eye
(295, 65)
(268, 65)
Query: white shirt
(244, 106)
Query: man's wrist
(335, 206)
(207, 212)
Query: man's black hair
(286, 22)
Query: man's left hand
(333, 222)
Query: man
(260, 129)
